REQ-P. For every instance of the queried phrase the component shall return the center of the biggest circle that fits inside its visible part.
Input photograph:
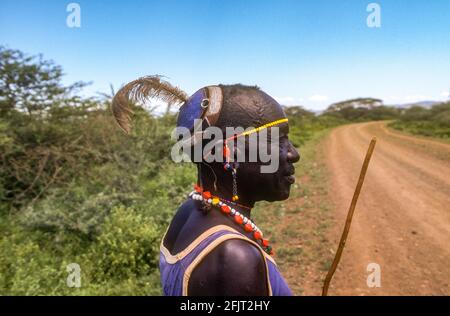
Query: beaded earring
(235, 196)
(233, 168)
(205, 206)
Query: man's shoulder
(239, 249)
(233, 267)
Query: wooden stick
(348, 221)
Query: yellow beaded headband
(226, 150)
(257, 129)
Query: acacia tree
(367, 103)
(50, 137)
(36, 124)
(31, 84)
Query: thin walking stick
(348, 221)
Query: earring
(234, 174)
(233, 168)
(205, 206)
(226, 154)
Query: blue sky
(311, 53)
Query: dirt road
(402, 220)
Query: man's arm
(234, 268)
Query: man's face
(271, 186)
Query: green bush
(127, 247)
(75, 189)
(433, 122)
(123, 259)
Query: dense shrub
(128, 246)
(75, 189)
(433, 122)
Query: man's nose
(293, 155)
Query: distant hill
(366, 103)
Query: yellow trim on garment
(171, 259)
(211, 247)
(174, 258)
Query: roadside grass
(298, 227)
(432, 122)
(428, 145)
(421, 130)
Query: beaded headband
(249, 132)
(257, 129)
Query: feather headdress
(140, 91)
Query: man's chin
(284, 190)
(285, 195)
(279, 191)
(281, 195)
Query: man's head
(227, 106)
(248, 108)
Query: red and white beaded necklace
(206, 197)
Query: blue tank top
(177, 269)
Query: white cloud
(445, 94)
(416, 98)
(318, 98)
(284, 99)
(288, 100)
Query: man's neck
(224, 192)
